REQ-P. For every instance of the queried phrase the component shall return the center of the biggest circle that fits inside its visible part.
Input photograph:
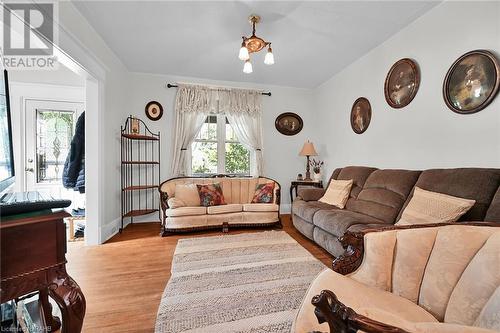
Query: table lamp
(308, 150)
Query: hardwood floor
(123, 280)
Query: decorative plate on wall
(361, 115)
(289, 123)
(472, 82)
(401, 83)
(154, 110)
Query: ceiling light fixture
(247, 68)
(254, 44)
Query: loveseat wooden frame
(225, 227)
(343, 319)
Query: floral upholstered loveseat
(239, 211)
(432, 279)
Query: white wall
(62, 77)
(425, 134)
(280, 152)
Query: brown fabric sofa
(379, 196)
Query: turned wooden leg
(53, 323)
(67, 294)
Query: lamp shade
(308, 150)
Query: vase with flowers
(316, 166)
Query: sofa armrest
(341, 318)
(310, 194)
(163, 206)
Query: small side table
(296, 183)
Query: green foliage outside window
(237, 159)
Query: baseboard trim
(112, 228)
(285, 208)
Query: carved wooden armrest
(163, 200)
(351, 259)
(343, 319)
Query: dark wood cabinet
(33, 258)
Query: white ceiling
(311, 40)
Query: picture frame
(289, 123)
(472, 82)
(361, 115)
(154, 110)
(402, 83)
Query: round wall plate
(154, 110)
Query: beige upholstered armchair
(426, 279)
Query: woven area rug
(252, 282)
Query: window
(216, 150)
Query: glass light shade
(308, 150)
(247, 68)
(244, 54)
(269, 59)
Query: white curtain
(248, 130)
(193, 103)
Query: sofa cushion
(453, 250)
(306, 228)
(357, 296)
(175, 203)
(186, 211)
(493, 213)
(337, 221)
(328, 242)
(427, 207)
(413, 248)
(211, 195)
(337, 193)
(263, 193)
(188, 194)
(307, 209)
(223, 209)
(468, 183)
(477, 286)
(359, 175)
(489, 314)
(384, 193)
(260, 207)
(310, 194)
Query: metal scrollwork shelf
(140, 170)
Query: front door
(50, 126)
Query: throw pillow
(187, 193)
(337, 193)
(427, 207)
(263, 193)
(175, 203)
(211, 195)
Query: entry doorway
(50, 127)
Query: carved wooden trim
(68, 295)
(171, 231)
(352, 258)
(353, 243)
(343, 319)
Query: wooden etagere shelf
(140, 170)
